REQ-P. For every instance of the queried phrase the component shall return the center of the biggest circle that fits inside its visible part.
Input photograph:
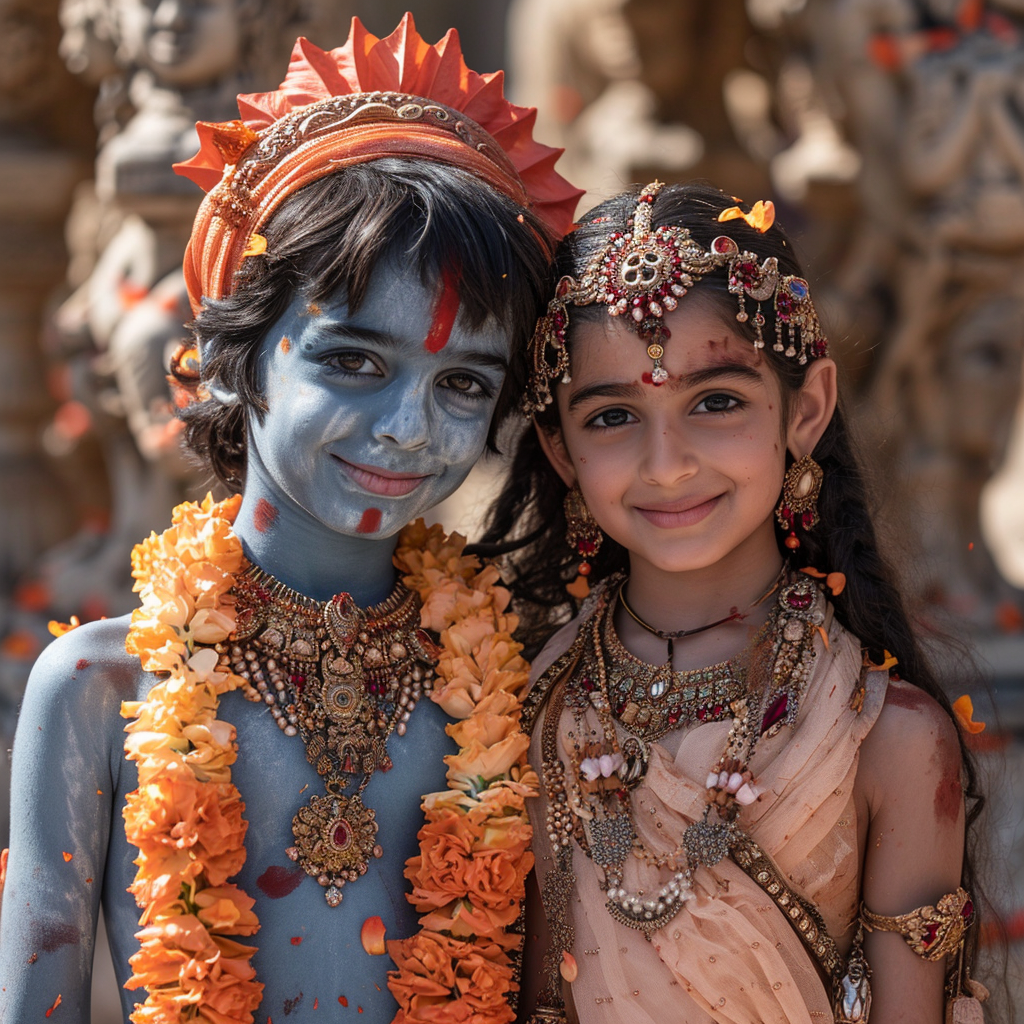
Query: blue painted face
(370, 419)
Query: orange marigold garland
(469, 878)
(186, 819)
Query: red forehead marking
(648, 379)
(370, 522)
(446, 310)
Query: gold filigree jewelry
(642, 273)
(799, 502)
(651, 700)
(342, 679)
(582, 533)
(932, 932)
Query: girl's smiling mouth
(380, 481)
(685, 512)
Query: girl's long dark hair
(526, 522)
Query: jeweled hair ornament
(642, 273)
(369, 99)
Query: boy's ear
(553, 443)
(812, 408)
(221, 394)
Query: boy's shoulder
(84, 666)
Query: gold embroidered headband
(642, 273)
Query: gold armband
(931, 932)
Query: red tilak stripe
(446, 310)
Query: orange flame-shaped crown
(368, 99)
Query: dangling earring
(583, 535)
(799, 502)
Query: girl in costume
(303, 659)
(750, 776)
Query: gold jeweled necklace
(342, 679)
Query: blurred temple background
(889, 134)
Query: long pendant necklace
(342, 679)
(591, 801)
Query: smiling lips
(669, 515)
(380, 481)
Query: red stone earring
(799, 502)
(583, 535)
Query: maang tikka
(642, 273)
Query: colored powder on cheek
(370, 523)
(265, 515)
(286, 345)
(277, 882)
(82, 663)
(446, 309)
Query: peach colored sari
(729, 956)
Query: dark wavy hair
(329, 237)
(526, 522)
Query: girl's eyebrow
(696, 379)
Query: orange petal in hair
(888, 661)
(579, 588)
(963, 708)
(372, 936)
(257, 246)
(567, 968)
(760, 218)
(835, 581)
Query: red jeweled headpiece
(369, 99)
(643, 273)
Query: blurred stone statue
(160, 66)
(934, 97)
(636, 89)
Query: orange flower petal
(963, 708)
(568, 967)
(836, 582)
(60, 628)
(67, 856)
(888, 661)
(760, 218)
(56, 1003)
(372, 936)
(257, 246)
(579, 588)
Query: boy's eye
(717, 403)
(355, 363)
(464, 384)
(611, 418)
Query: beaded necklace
(343, 679)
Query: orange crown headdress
(368, 99)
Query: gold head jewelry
(642, 273)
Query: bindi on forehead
(444, 314)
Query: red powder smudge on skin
(51, 937)
(316, 1004)
(359, 1008)
(277, 882)
(446, 310)
(647, 378)
(909, 697)
(370, 523)
(343, 1000)
(949, 794)
(82, 663)
(265, 515)
(286, 344)
(296, 940)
